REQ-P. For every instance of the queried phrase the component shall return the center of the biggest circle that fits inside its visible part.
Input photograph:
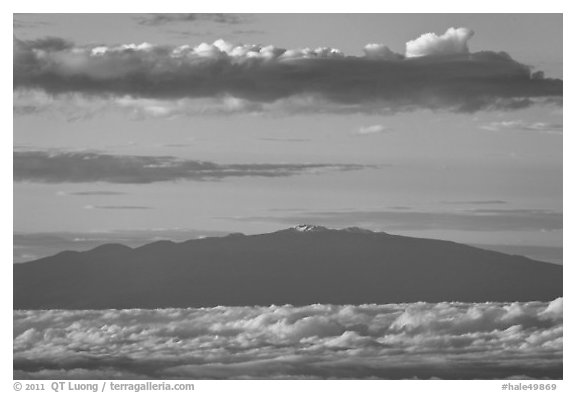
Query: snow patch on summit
(309, 228)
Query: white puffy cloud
(373, 129)
(164, 80)
(453, 41)
(473, 340)
(380, 51)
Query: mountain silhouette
(302, 265)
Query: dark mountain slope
(302, 265)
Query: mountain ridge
(305, 264)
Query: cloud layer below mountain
(394, 341)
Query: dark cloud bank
(73, 167)
(395, 341)
(436, 72)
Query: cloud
(76, 106)
(253, 77)
(27, 24)
(453, 42)
(519, 125)
(248, 32)
(93, 193)
(163, 19)
(392, 341)
(371, 130)
(177, 145)
(84, 167)
(477, 202)
(381, 52)
(463, 220)
(117, 207)
(278, 139)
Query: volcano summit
(302, 265)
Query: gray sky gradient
(458, 128)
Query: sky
(445, 126)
